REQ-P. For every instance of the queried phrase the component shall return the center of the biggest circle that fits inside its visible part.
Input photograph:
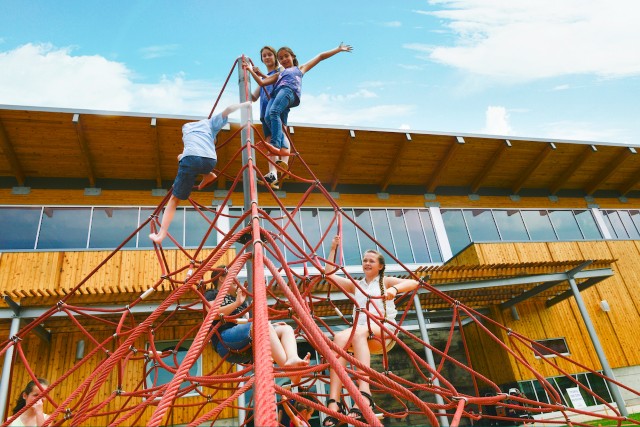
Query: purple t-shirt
(292, 78)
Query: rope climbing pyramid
(135, 379)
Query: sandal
(357, 412)
(330, 421)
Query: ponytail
(21, 402)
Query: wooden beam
(628, 186)
(349, 140)
(393, 165)
(532, 167)
(156, 151)
(486, 170)
(609, 170)
(84, 149)
(14, 163)
(577, 163)
(432, 184)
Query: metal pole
(444, 421)
(246, 134)
(6, 368)
(598, 347)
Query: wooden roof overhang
(93, 148)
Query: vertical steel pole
(598, 347)
(6, 368)
(444, 421)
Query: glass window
(599, 387)
(111, 226)
(539, 226)
(276, 215)
(363, 219)
(64, 228)
(456, 229)
(196, 226)
(510, 225)
(481, 225)
(628, 224)
(350, 245)
(635, 217)
(587, 224)
(430, 233)
(176, 229)
(588, 398)
(565, 225)
(415, 234)
(383, 231)
(292, 252)
(615, 224)
(172, 356)
(19, 227)
(557, 345)
(327, 217)
(399, 224)
(311, 227)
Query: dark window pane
(616, 224)
(276, 215)
(599, 387)
(19, 227)
(511, 225)
(539, 226)
(541, 392)
(64, 228)
(557, 345)
(588, 399)
(481, 225)
(430, 233)
(172, 356)
(350, 246)
(363, 219)
(416, 235)
(565, 225)
(456, 229)
(111, 226)
(328, 218)
(627, 222)
(195, 228)
(588, 224)
(382, 231)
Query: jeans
(278, 113)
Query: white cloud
(152, 52)
(525, 40)
(497, 121)
(561, 87)
(393, 24)
(584, 131)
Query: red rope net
(124, 385)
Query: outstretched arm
(324, 55)
(233, 107)
(268, 80)
(395, 286)
(330, 270)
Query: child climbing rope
(369, 293)
(198, 157)
(286, 94)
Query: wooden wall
(616, 328)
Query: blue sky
(566, 69)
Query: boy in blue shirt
(198, 157)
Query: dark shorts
(188, 170)
(236, 343)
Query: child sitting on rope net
(286, 94)
(369, 294)
(295, 413)
(232, 340)
(198, 157)
(34, 416)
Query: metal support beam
(598, 347)
(444, 421)
(567, 294)
(39, 330)
(12, 158)
(6, 368)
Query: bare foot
(296, 361)
(157, 238)
(206, 180)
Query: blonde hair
(380, 277)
